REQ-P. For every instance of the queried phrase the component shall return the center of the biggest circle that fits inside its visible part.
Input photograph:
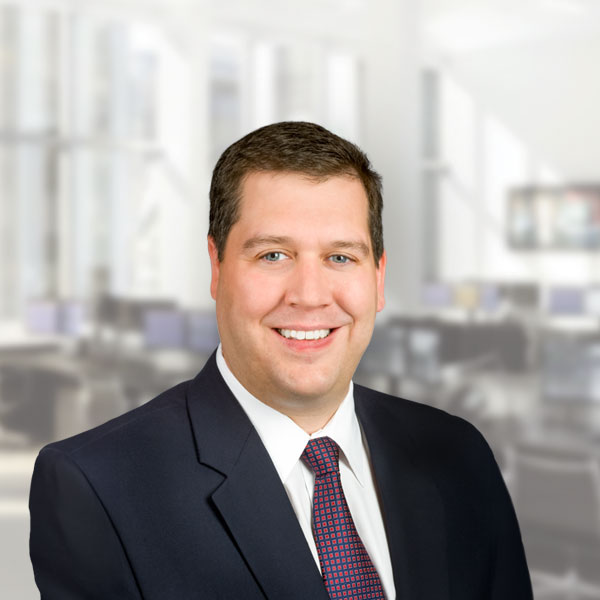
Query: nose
(308, 285)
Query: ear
(215, 266)
(380, 274)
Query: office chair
(384, 364)
(557, 499)
(27, 404)
(9, 438)
(104, 399)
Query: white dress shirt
(285, 441)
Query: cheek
(253, 295)
(358, 299)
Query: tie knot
(322, 456)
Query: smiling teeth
(316, 334)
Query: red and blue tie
(347, 569)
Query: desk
(554, 441)
(52, 395)
(15, 339)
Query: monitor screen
(203, 335)
(467, 296)
(437, 295)
(164, 328)
(489, 297)
(561, 217)
(42, 316)
(565, 301)
(71, 317)
(522, 226)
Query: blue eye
(339, 259)
(273, 256)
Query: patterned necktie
(347, 569)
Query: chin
(310, 385)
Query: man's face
(297, 290)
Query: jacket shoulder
(138, 419)
(434, 435)
(422, 418)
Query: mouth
(304, 334)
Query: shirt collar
(285, 440)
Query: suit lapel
(412, 507)
(251, 500)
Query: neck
(310, 419)
(309, 412)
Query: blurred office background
(481, 116)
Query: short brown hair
(296, 147)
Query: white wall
(351, 65)
(549, 92)
(391, 139)
(516, 114)
(382, 36)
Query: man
(270, 475)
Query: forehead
(283, 196)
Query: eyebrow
(266, 240)
(359, 247)
(276, 240)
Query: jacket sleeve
(75, 550)
(509, 577)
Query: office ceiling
(456, 26)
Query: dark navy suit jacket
(179, 499)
